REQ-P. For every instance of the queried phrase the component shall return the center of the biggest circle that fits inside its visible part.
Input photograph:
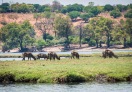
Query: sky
(66, 2)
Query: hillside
(20, 17)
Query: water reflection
(82, 87)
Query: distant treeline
(58, 7)
(93, 31)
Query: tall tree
(128, 27)
(94, 30)
(56, 6)
(101, 27)
(120, 33)
(16, 35)
(46, 23)
(63, 24)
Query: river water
(67, 52)
(82, 87)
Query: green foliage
(74, 14)
(63, 25)
(64, 10)
(46, 14)
(15, 35)
(86, 16)
(128, 14)
(92, 9)
(48, 36)
(5, 7)
(74, 39)
(91, 43)
(121, 7)
(115, 13)
(129, 29)
(75, 7)
(99, 27)
(108, 7)
(41, 43)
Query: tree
(75, 7)
(15, 35)
(129, 29)
(128, 14)
(46, 23)
(121, 7)
(115, 13)
(119, 32)
(100, 27)
(94, 30)
(56, 6)
(86, 16)
(92, 9)
(74, 14)
(5, 7)
(63, 24)
(108, 7)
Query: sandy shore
(84, 47)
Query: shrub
(128, 14)
(115, 13)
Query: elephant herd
(52, 55)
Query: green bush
(92, 43)
(115, 13)
(128, 14)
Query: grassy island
(67, 70)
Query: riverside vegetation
(94, 68)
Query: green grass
(66, 70)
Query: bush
(40, 44)
(74, 39)
(92, 43)
(115, 13)
(128, 14)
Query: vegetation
(56, 18)
(115, 13)
(63, 25)
(67, 70)
(14, 35)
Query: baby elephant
(74, 54)
(42, 56)
(108, 53)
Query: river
(82, 87)
(67, 52)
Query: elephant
(74, 54)
(42, 56)
(29, 55)
(53, 55)
(108, 53)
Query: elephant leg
(23, 58)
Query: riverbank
(84, 47)
(67, 71)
